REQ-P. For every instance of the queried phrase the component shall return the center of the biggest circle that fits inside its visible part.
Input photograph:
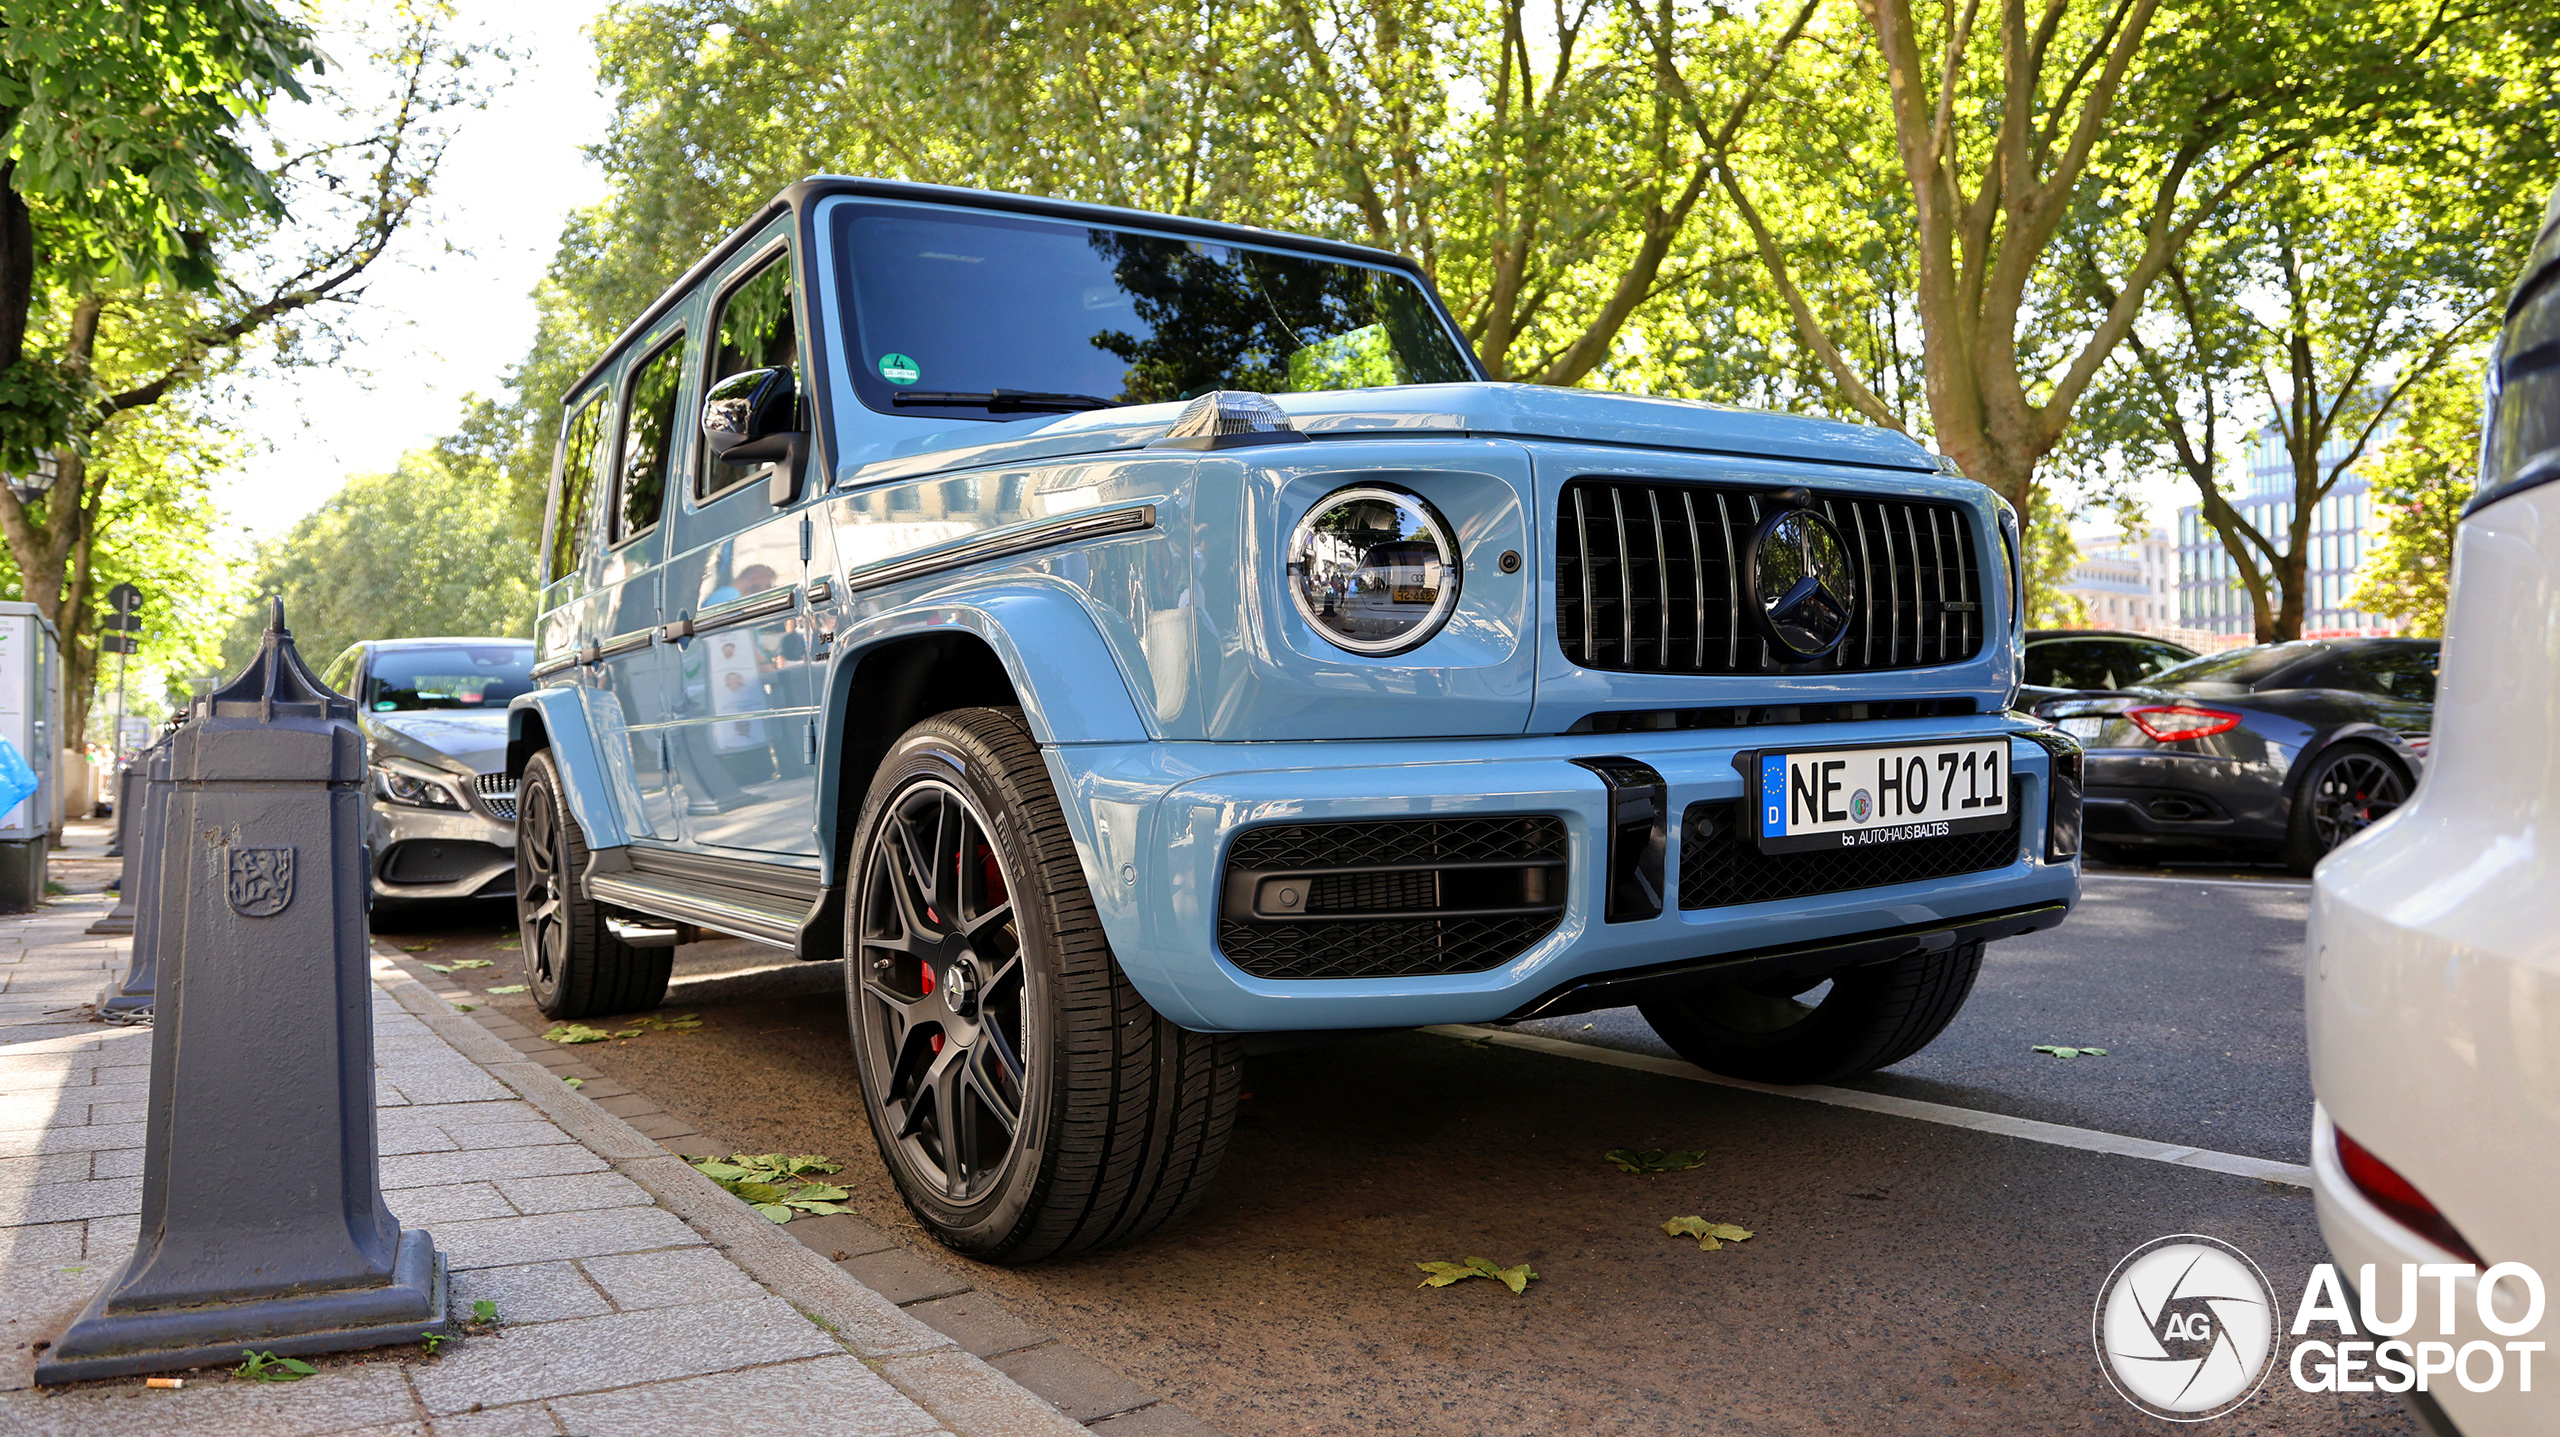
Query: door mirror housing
(753, 417)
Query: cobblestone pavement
(634, 1295)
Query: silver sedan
(442, 816)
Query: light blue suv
(1122, 640)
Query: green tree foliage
(424, 550)
(2418, 490)
(2051, 555)
(121, 153)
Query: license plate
(2089, 727)
(1851, 797)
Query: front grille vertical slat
(1661, 578)
(1927, 586)
(1732, 589)
(1626, 582)
(1698, 579)
(1582, 539)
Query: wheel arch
(2364, 734)
(555, 720)
(1025, 644)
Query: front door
(744, 711)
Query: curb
(963, 1392)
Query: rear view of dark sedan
(2282, 750)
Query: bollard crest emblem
(261, 881)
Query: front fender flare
(1074, 689)
(563, 720)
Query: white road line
(2303, 884)
(2085, 1139)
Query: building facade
(2127, 578)
(2210, 599)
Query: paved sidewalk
(635, 1296)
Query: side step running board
(765, 918)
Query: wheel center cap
(960, 986)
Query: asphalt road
(1904, 1277)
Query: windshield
(948, 307)
(457, 676)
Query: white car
(2433, 971)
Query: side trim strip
(746, 610)
(560, 665)
(1003, 546)
(621, 644)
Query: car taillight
(2395, 1195)
(2168, 723)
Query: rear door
(650, 453)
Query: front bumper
(425, 855)
(1153, 823)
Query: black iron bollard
(130, 998)
(263, 1224)
(131, 784)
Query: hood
(1520, 411)
(458, 741)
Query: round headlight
(1374, 569)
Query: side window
(754, 330)
(2152, 658)
(2405, 674)
(577, 490)
(649, 440)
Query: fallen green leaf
(821, 1192)
(574, 1033)
(417, 947)
(1444, 1273)
(437, 967)
(466, 1007)
(2062, 1052)
(1710, 1235)
(510, 988)
(1654, 1160)
(755, 1192)
(473, 963)
(775, 1211)
(575, 1082)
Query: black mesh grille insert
(1726, 868)
(1653, 577)
(1387, 947)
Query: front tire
(1868, 1018)
(573, 965)
(1026, 1100)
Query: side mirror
(753, 417)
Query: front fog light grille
(1391, 899)
(1721, 867)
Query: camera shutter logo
(2186, 1327)
(261, 883)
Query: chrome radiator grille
(1655, 578)
(497, 794)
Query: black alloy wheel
(573, 965)
(2350, 788)
(942, 991)
(1025, 1099)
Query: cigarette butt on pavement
(164, 1382)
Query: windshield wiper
(999, 400)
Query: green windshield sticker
(899, 369)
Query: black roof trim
(799, 196)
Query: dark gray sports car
(2285, 750)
